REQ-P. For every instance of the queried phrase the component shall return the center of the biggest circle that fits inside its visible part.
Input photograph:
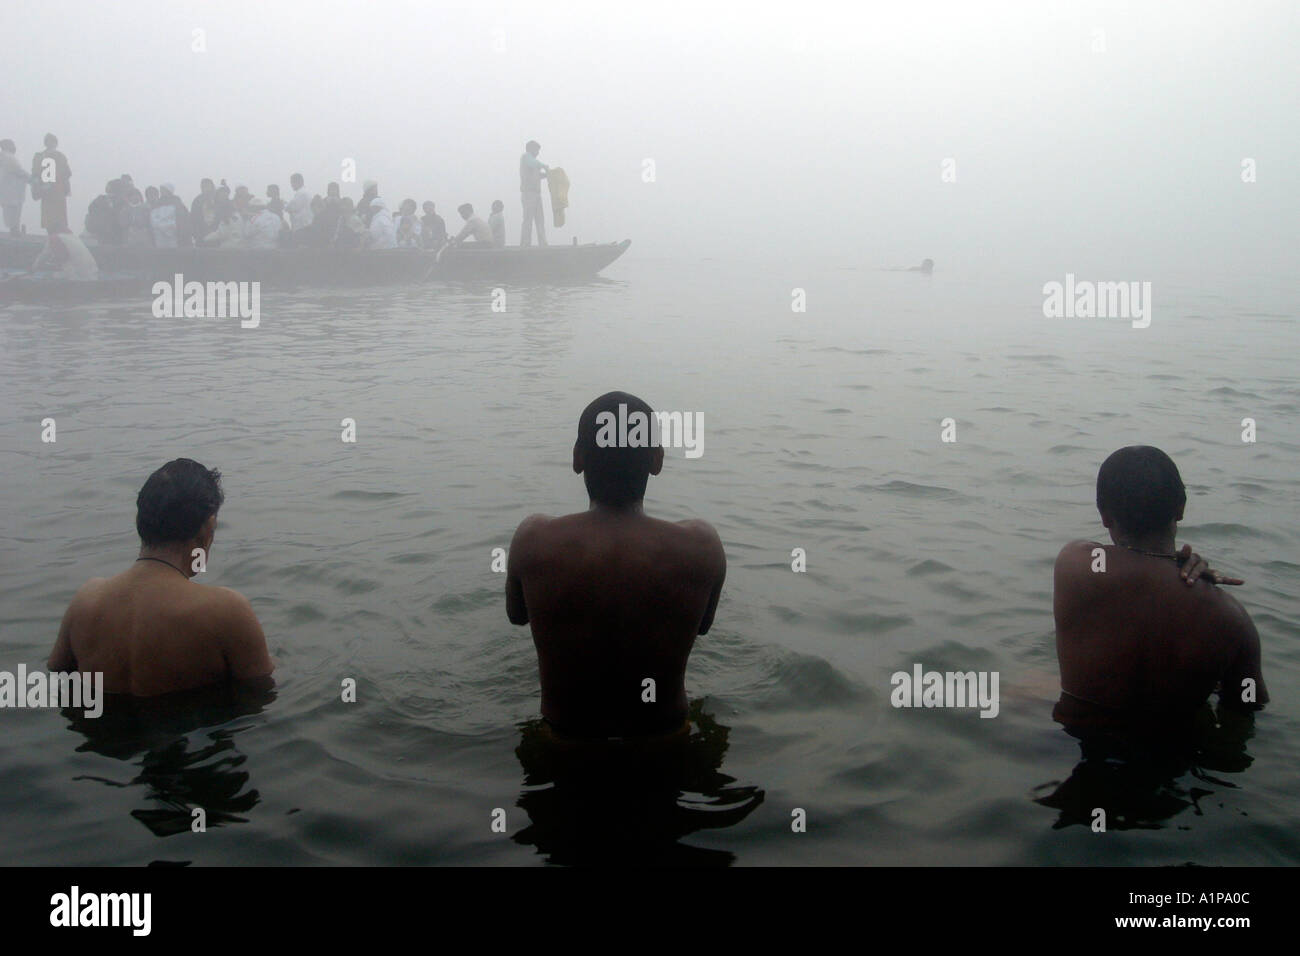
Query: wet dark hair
(465, 209)
(1140, 488)
(615, 475)
(531, 143)
(176, 500)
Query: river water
(372, 561)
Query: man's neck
(631, 510)
(1157, 542)
(178, 556)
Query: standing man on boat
(51, 177)
(531, 173)
(299, 207)
(13, 186)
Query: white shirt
(383, 234)
(263, 231)
(299, 210)
(162, 221)
(412, 238)
(229, 234)
(13, 180)
(476, 227)
(530, 173)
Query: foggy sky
(776, 129)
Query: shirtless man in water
(1143, 643)
(614, 596)
(151, 630)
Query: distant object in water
(925, 268)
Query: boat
(47, 289)
(292, 268)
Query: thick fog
(1093, 136)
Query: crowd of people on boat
(222, 217)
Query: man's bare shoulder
(91, 589)
(89, 595)
(239, 632)
(227, 603)
(1229, 615)
(699, 540)
(1078, 555)
(700, 532)
(531, 531)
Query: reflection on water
(1140, 784)
(186, 745)
(630, 804)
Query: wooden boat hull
(51, 291)
(288, 268)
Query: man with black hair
(615, 598)
(1143, 632)
(476, 230)
(151, 630)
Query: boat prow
(528, 263)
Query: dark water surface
(372, 561)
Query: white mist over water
(1093, 137)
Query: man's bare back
(151, 631)
(614, 598)
(1138, 644)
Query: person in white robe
(382, 233)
